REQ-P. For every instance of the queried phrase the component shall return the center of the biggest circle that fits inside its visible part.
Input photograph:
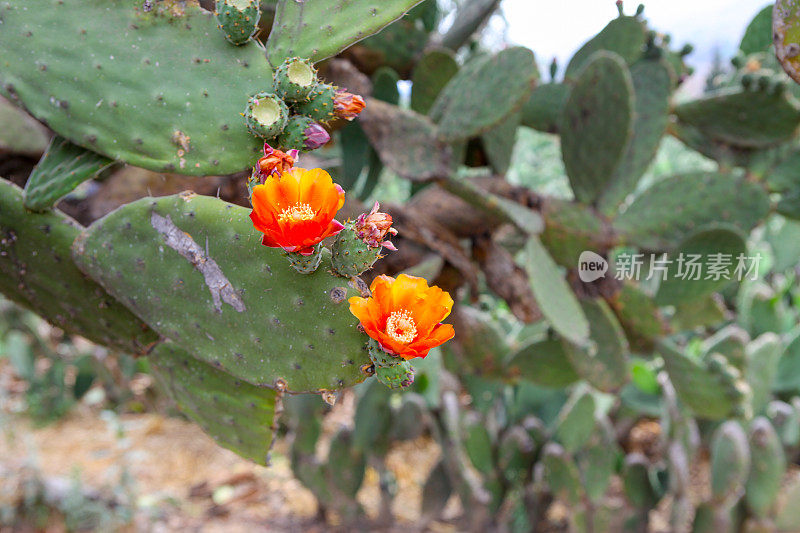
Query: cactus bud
(302, 133)
(238, 19)
(347, 105)
(320, 104)
(265, 115)
(359, 245)
(295, 78)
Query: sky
(557, 28)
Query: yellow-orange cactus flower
(295, 210)
(404, 315)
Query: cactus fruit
(306, 264)
(238, 19)
(266, 115)
(392, 371)
(295, 78)
(358, 246)
(319, 104)
(162, 95)
(35, 246)
(302, 133)
(193, 268)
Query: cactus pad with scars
(597, 124)
(333, 26)
(743, 118)
(666, 213)
(432, 73)
(37, 272)
(63, 167)
(484, 93)
(238, 415)
(193, 267)
(156, 67)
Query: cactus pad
(331, 25)
(730, 461)
(743, 118)
(544, 363)
(162, 96)
(543, 109)
(624, 36)
(767, 467)
(597, 124)
(193, 267)
(63, 167)
(238, 415)
(666, 213)
(484, 93)
(431, 74)
(36, 271)
(758, 35)
(786, 32)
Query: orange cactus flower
(347, 105)
(404, 315)
(275, 162)
(295, 210)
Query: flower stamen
(296, 213)
(401, 326)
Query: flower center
(401, 327)
(296, 213)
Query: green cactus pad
(431, 74)
(597, 462)
(406, 141)
(652, 86)
(544, 363)
(149, 89)
(636, 481)
(319, 104)
(730, 461)
(484, 93)
(571, 228)
(576, 423)
(238, 19)
(265, 115)
(767, 468)
(355, 153)
(597, 124)
(666, 213)
(561, 474)
(498, 143)
(480, 348)
(334, 25)
(708, 393)
(758, 35)
(193, 267)
(553, 294)
(350, 255)
(36, 271)
(21, 134)
(604, 363)
(761, 368)
(295, 78)
(544, 107)
(639, 317)
(624, 36)
(238, 415)
(743, 118)
(730, 341)
(788, 378)
(683, 287)
(63, 167)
